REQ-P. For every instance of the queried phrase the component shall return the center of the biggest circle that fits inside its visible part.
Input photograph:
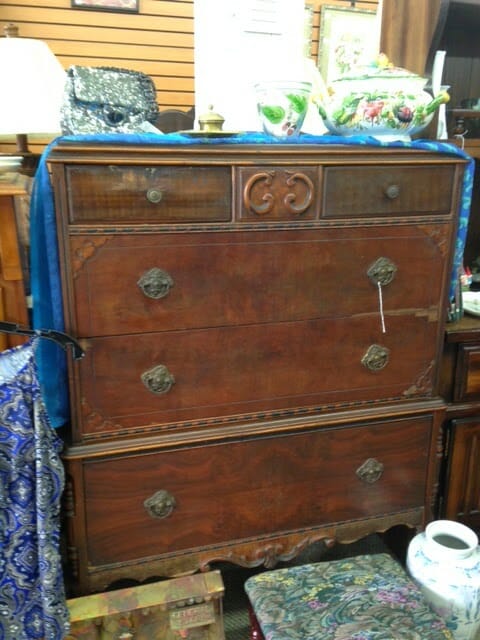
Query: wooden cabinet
(262, 327)
(460, 495)
(13, 303)
(462, 500)
(460, 385)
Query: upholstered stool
(368, 597)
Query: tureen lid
(390, 73)
(380, 68)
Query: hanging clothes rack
(62, 339)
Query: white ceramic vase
(444, 561)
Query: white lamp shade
(32, 81)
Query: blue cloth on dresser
(45, 277)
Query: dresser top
(256, 149)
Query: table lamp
(32, 81)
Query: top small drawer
(467, 379)
(388, 190)
(148, 194)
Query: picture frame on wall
(308, 29)
(122, 6)
(347, 39)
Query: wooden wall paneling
(159, 40)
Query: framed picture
(308, 29)
(127, 6)
(348, 38)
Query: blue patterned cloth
(32, 594)
(44, 263)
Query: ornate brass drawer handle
(160, 505)
(370, 471)
(155, 283)
(382, 271)
(392, 191)
(158, 380)
(376, 357)
(154, 195)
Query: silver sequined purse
(107, 100)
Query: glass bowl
(282, 106)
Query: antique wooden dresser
(262, 327)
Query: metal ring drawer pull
(376, 357)
(158, 380)
(155, 283)
(392, 191)
(370, 471)
(160, 505)
(382, 271)
(154, 195)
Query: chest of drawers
(460, 386)
(262, 327)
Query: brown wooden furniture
(239, 398)
(460, 494)
(13, 305)
(171, 120)
(460, 499)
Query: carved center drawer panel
(175, 500)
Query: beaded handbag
(107, 100)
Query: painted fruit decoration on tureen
(379, 100)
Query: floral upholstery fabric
(367, 597)
(32, 598)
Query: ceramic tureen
(380, 100)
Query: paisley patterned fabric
(367, 597)
(32, 600)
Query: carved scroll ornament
(283, 197)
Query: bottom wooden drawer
(163, 502)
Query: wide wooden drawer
(160, 282)
(132, 382)
(388, 190)
(164, 502)
(151, 194)
(467, 375)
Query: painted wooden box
(189, 608)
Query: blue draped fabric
(32, 595)
(45, 277)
